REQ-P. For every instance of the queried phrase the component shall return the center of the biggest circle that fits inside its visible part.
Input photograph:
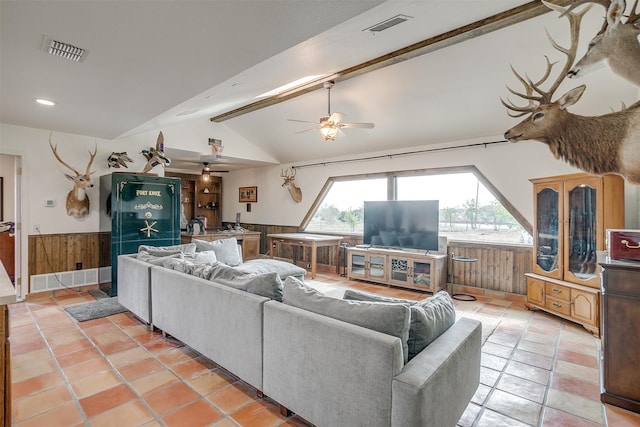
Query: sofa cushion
(265, 284)
(187, 249)
(388, 318)
(158, 259)
(429, 317)
(179, 264)
(267, 265)
(204, 257)
(226, 250)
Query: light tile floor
(537, 370)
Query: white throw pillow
(204, 257)
(226, 250)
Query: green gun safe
(142, 210)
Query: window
(470, 207)
(341, 210)
(468, 210)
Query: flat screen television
(405, 224)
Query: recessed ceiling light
(44, 102)
(291, 85)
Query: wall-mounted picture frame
(248, 194)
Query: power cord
(46, 257)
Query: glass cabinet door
(377, 266)
(421, 273)
(582, 232)
(357, 265)
(547, 236)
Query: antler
(528, 85)
(93, 156)
(576, 3)
(634, 16)
(544, 97)
(288, 173)
(54, 148)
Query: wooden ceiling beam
(449, 38)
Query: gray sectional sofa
(328, 368)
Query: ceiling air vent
(64, 50)
(391, 22)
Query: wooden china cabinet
(572, 213)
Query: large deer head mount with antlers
(77, 200)
(598, 145)
(617, 44)
(294, 191)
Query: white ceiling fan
(330, 124)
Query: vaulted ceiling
(152, 65)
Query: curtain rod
(406, 153)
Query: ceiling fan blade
(336, 117)
(219, 171)
(302, 121)
(307, 130)
(357, 125)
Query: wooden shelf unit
(412, 270)
(572, 213)
(201, 198)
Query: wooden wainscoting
(50, 253)
(498, 267)
(326, 255)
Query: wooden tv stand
(407, 269)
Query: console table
(249, 240)
(408, 269)
(313, 241)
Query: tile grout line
(59, 370)
(495, 385)
(548, 387)
(117, 371)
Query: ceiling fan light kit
(206, 171)
(332, 122)
(328, 131)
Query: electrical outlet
(78, 266)
(36, 228)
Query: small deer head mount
(77, 201)
(289, 175)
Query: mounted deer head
(616, 44)
(295, 192)
(598, 145)
(77, 201)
